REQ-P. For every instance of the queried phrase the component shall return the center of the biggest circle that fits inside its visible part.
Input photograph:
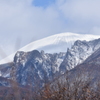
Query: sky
(24, 21)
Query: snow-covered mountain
(79, 52)
(53, 44)
(33, 67)
(37, 67)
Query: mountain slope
(36, 68)
(90, 66)
(79, 52)
(82, 82)
(27, 67)
(53, 44)
(79, 83)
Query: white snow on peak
(55, 43)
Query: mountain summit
(53, 44)
(36, 68)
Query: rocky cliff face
(79, 52)
(36, 68)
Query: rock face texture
(79, 52)
(37, 68)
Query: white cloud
(83, 14)
(84, 9)
(21, 19)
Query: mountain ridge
(53, 44)
(43, 66)
(79, 52)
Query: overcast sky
(24, 21)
